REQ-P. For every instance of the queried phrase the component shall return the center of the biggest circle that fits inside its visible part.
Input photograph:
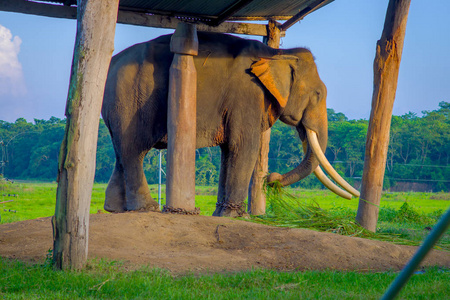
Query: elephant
(243, 87)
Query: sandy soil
(202, 244)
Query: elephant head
(293, 81)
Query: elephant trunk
(314, 149)
(307, 165)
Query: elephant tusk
(326, 181)
(314, 143)
(330, 184)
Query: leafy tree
(335, 117)
(206, 172)
(419, 150)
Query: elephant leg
(115, 192)
(240, 162)
(222, 181)
(137, 192)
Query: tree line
(418, 155)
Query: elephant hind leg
(127, 188)
(115, 192)
(137, 193)
(222, 181)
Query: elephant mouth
(315, 146)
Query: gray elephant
(243, 87)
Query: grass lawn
(422, 202)
(107, 280)
(35, 200)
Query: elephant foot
(114, 199)
(142, 203)
(151, 206)
(231, 213)
(231, 210)
(113, 208)
(218, 210)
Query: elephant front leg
(239, 168)
(137, 192)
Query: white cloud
(11, 75)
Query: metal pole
(2, 162)
(434, 236)
(159, 184)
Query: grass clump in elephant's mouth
(286, 210)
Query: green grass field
(107, 280)
(404, 218)
(36, 200)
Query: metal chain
(180, 211)
(238, 207)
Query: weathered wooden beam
(188, 17)
(128, 17)
(133, 18)
(40, 9)
(256, 194)
(278, 18)
(181, 122)
(386, 66)
(94, 46)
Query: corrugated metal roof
(185, 7)
(273, 8)
(209, 10)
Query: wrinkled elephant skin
(243, 87)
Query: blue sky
(36, 54)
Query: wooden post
(386, 66)
(256, 195)
(94, 46)
(181, 122)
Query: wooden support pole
(94, 46)
(386, 66)
(256, 195)
(181, 121)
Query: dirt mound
(208, 244)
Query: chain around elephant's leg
(233, 209)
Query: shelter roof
(214, 12)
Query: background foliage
(418, 156)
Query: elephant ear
(275, 74)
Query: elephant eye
(318, 93)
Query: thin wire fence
(393, 180)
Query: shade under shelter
(96, 21)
